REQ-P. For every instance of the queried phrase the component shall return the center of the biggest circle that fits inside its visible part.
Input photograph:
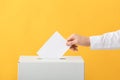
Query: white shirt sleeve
(109, 40)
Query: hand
(74, 40)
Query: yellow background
(25, 25)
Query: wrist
(87, 41)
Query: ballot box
(65, 68)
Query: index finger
(70, 38)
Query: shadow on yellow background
(25, 25)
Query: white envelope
(55, 47)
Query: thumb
(70, 43)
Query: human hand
(74, 40)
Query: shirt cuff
(95, 42)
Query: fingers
(72, 41)
(74, 48)
(71, 38)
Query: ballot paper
(55, 47)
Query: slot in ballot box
(66, 68)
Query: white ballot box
(66, 68)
